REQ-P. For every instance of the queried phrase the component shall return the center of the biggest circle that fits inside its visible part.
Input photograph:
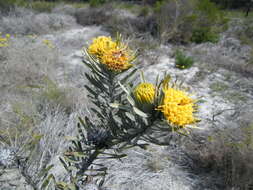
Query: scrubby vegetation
(45, 91)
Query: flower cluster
(177, 106)
(4, 40)
(115, 55)
(145, 93)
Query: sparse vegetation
(219, 87)
(228, 153)
(43, 93)
(204, 35)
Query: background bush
(204, 34)
(182, 61)
(179, 20)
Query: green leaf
(124, 88)
(119, 106)
(115, 156)
(139, 112)
(131, 100)
(96, 83)
(47, 181)
(77, 154)
(142, 77)
(70, 160)
(45, 171)
(123, 81)
(115, 105)
(130, 116)
(90, 90)
(70, 138)
(61, 185)
(64, 164)
(83, 123)
(98, 113)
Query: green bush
(183, 61)
(186, 20)
(42, 6)
(200, 35)
(95, 3)
(7, 5)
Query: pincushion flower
(144, 95)
(178, 108)
(101, 45)
(144, 92)
(116, 56)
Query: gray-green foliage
(117, 124)
(99, 137)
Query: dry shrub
(24, 21)
(29, 86)
(115, 20)
(65, 9)
(26, 63)
(92, 16)
(36, 113)
(225, 160)
(171, 18)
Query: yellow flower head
(178, 108)
(114, 55)
(144, 93)
(116, 60)
(101, 45)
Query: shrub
(178, 20)
(123, 112)
(51, 94)
(24, 21)
(227, 154)
(182, 61)
(95, 3)
(42, 6)
(204, 34)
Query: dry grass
(24, 21)
(36, 111)
(224, 160)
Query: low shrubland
(37, 5)
(37, 111)
(226, 153)
(25, 21)
(169, 21)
